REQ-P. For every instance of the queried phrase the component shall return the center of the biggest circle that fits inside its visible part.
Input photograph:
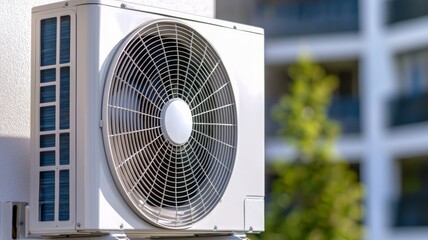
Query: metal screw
(66, 4)
(121, 226)
(122, 5)
(78, 225)
(215, 228)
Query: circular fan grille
(170, 124)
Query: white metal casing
(5, 220)
(96, 204)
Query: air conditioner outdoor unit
(145, 121)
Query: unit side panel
(52, 204)
(87, 194)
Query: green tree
(315, 196)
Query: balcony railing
(344, 110)
(401, 10)
(410, 211)
(303, 17)
(408, 109)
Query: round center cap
(176, 121)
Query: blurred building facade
(379, 51)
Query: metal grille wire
(170, 185)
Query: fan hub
(177, 121)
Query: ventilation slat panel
(65, 39)
(64, 103)
(48, 75)
(47, 94)
(64, 195)
(48, 41)
(47, 118)
(47, 196)
(55, 89)
(64, 149)
(47, 140)
(47, 158)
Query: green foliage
(302, 113)
(315, 196)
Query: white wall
(15, 40)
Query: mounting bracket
(12, 220)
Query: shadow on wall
(14, 169)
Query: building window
(345, 105)
(408, 105)
(402, 10)
(301, 17)
(411, 205)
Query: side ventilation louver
(53, 88)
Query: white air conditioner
(145, 121)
